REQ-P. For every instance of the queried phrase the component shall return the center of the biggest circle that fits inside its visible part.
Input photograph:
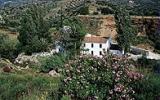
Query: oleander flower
(93, 78)
(118, 88)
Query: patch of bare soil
(146, 46)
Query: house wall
(58, 49)
(116, 52)
(96, 48)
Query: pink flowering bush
(93, 78)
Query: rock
(24, 60)
(7, 69)
(53, 73)
(22, 68)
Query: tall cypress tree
(126, 33)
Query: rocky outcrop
(24, 60)
(53, 73)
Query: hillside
(20, 2)
(105, 24)
(136, 7)
(71, 7)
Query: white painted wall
(116, 52)
(57, 49)
(96, 48)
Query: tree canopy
(72, 34)
(126, 33)
(33, 26)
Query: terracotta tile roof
(95, 39)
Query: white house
(95, 45)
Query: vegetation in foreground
(27, 85)
(94, 78)
(82, 78)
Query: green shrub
(7, 47)
(26, 86)
(2, 65)
(54, 62)
(142, 39)
(39, 45)
(157, 67)
(148, 88)
(84, 10)
(152, 64)
(36, 45)
(66, 98)
(146, 63)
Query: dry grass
(12, 35)
(145, 46)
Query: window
(100, 45)
(92, 45)
(100, 53)
(91, 52)
(84, 45)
